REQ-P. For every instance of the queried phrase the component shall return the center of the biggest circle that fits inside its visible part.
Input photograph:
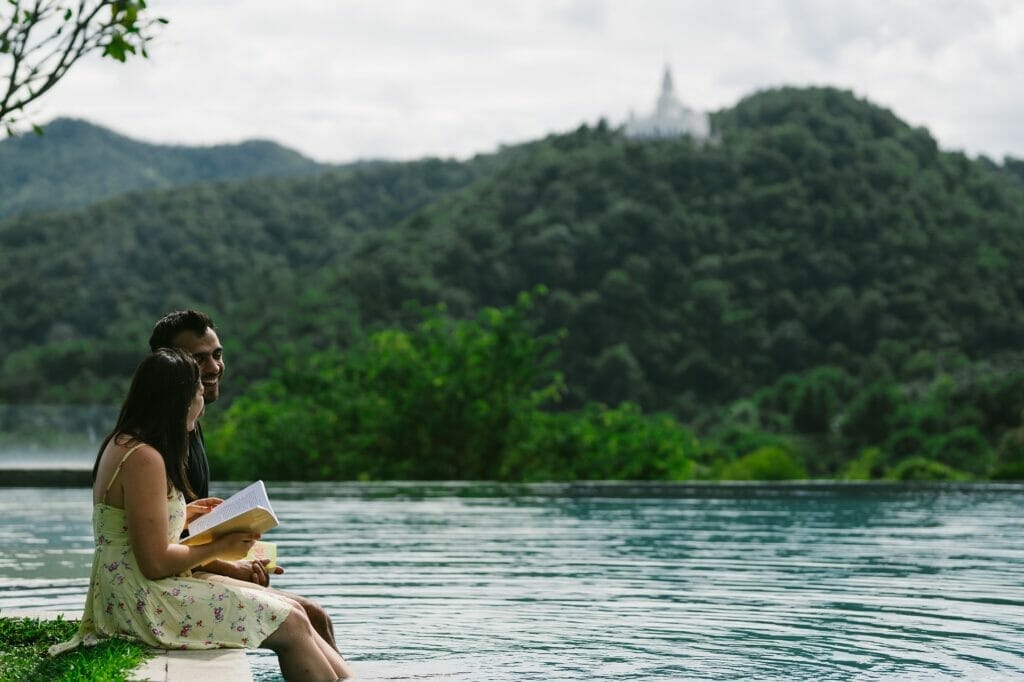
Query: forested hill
(79, 290)
(817, 231)
(75, 163)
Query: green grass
(23, 645)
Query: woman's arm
(144, 481)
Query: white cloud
(341, 79)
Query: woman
(141, 585)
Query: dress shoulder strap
(118, 469)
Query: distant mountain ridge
(76, 163)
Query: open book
(247, 510)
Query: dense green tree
(870, 417)
(905, 443)
(445, 400)
(815, 408)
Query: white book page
(245, 499)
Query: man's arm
(199, 480)
(248, 571)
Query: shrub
(870, 464)
(765, 464)
(602, 443)
(963, 449)
(922, 469)
(1009, 462)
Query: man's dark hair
(174, 323)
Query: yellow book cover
(263, 550)
(247, 510)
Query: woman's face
(195, 408)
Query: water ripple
(653, 582)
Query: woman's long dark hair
(156, 411)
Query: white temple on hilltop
(671, 118)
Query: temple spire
(667, 89)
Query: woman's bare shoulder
(143, 458)
(145, 471)
(135, 457)
(129, 461)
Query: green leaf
(118, 48)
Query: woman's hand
(235, 545)
(199, 507)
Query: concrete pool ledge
(45, 478)
(172, 665)
(223, 665)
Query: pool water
(640, 582)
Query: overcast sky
(340, 80)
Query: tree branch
(43, 43)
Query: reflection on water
(639, 582)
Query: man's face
(207, 351)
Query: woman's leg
(299, 650)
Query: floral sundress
(180, 612)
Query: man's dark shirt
(198, 467)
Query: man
(193, 332)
